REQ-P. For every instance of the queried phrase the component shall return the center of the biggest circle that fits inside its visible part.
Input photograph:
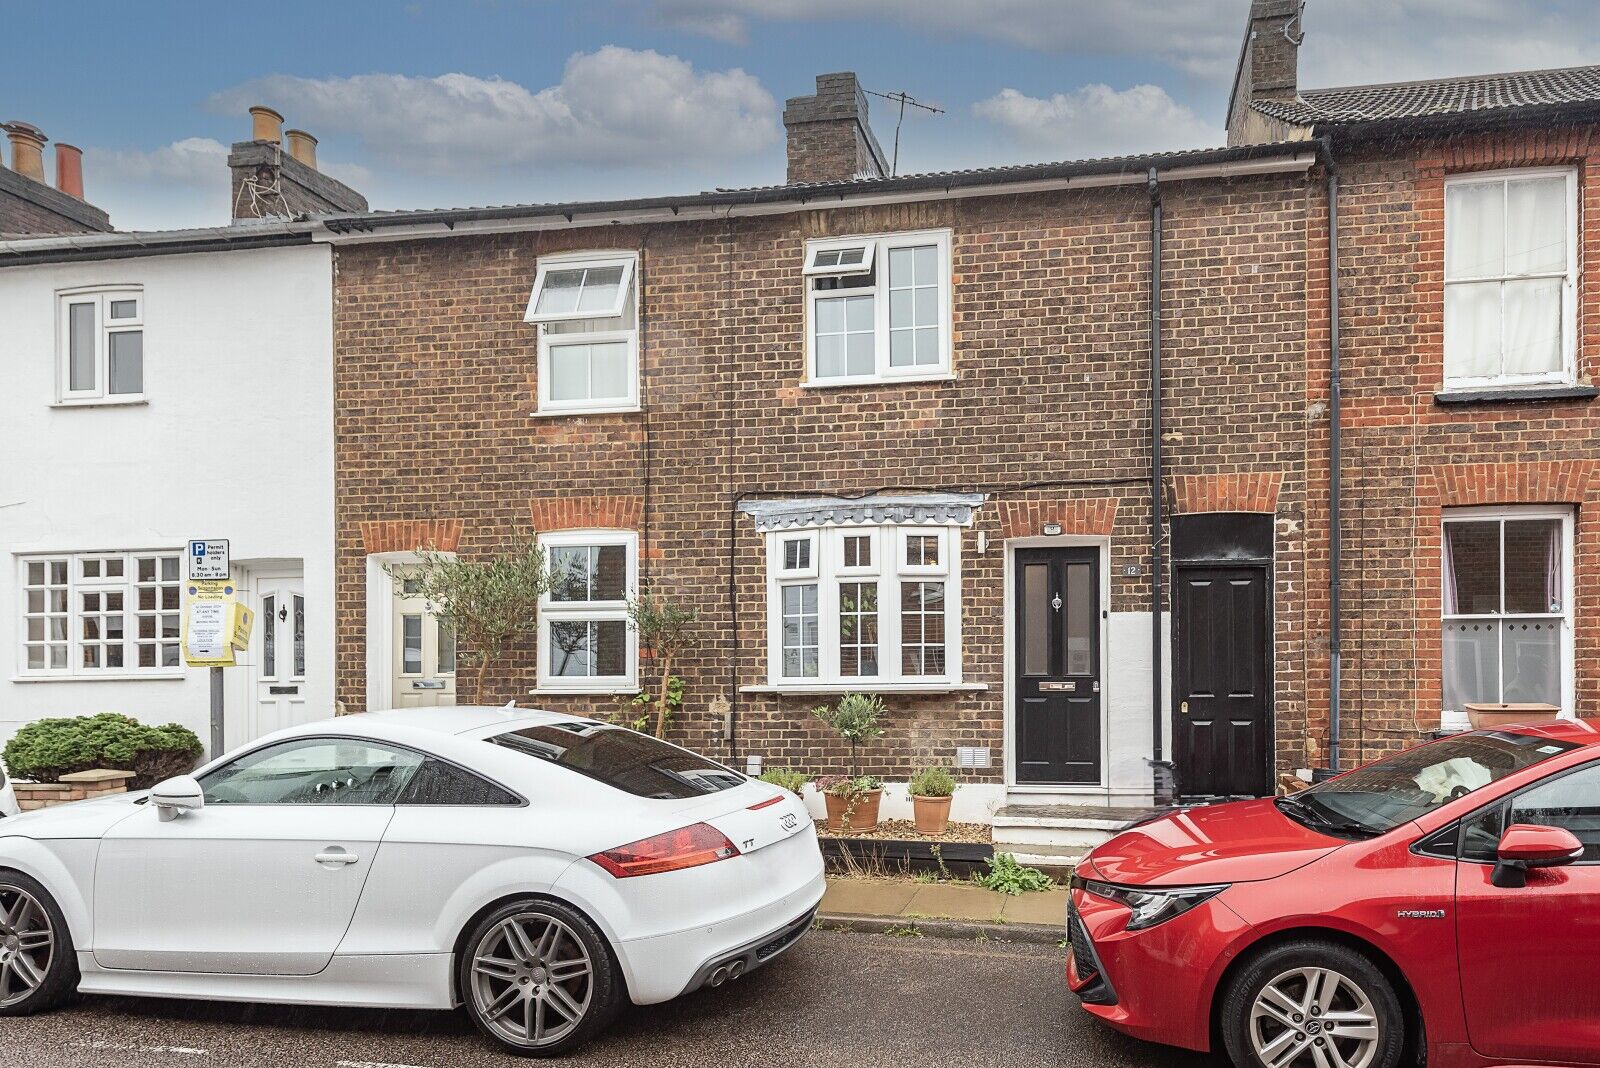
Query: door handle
(335, 857)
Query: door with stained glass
(1057, 664)
(278, 663)
(424, 654)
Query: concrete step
(1021, 828)
(1056, 860)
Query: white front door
(424, 656)
(278, 670)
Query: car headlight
(1151, 907)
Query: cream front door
(424, 653)
(278, 671)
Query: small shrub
(1006, 876)
(786, 779)
(848, 785)
(855, 719)
(50, 748)
(933, 782)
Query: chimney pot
(266, 124)
(69, 170)
(27, 148)
(303, 147)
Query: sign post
(215, 624)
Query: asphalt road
(838, 998)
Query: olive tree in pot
(931, 790)
(853, 799)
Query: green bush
(786, 779)
(1006, 876)
(50, 748)
(933, 782)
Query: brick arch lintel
(411, 535)
(1526, 482)
(1256, 492)
(599, 512)
(1093, 516)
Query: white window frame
(1514, 512)
(104, 326)
(78, 584)
(600, 328)
(828, 556)
(780, 558)
(551, 611)
(880, 245)
(1569, 289)
(815, 250)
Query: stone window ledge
(1513, 394)
(864, 686)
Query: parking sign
(208, 560)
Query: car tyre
(38, 963)
(538, 979)
(1305, 994)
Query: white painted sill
(102, 402)
(593, 691)
(803, 689)
(121, 676)
(868, 383)
(562, 413)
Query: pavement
(836, 998)
(949, 909)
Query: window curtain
(1452, 603)
(1554, 594)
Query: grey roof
(1487, 95)
(814, 193)
(799, 512)
(123, 244)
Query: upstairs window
(1510, 270)
(100, 353)
(587, 314)
(879, 308)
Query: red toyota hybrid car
(1443, 902)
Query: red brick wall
(1407, 457)
(435, 394)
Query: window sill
(120, 676)
(593, 691)
(867, 383)
(101, 402)
(561, 413)
(814, 688)
(1512, 394)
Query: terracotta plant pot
(838, 806)
(932, 814)
(1489, 716)
(860, 809)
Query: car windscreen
(1386, 793)
(623, 759)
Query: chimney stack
(1268, 67)
(830, 139)
(265, 124)
(27, 149)
(69, 170)
(303, 147)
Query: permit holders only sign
(208, 561)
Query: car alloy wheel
(532, 980)
(1315, 1017)
(27, 945)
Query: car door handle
(335, 857)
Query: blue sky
(430, 103)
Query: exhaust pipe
(718, 977)
(736, 969)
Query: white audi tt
(540, 869)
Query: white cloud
(613, 107)
(1097, 120)
(184, 183)
(197, 162)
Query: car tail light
(686, 847)
(768, 803)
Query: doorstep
(958, 909)
(1052, 836)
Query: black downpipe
(1335, 672)
(1156, 565)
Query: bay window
(586, 642)
(868, 607)
(94, 614)
(1510, 278)
(1507, 607)
(878, 308)
(587, 313)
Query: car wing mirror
(1525, 846)
(176, 796)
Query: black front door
(1220, 732)
(1057, 661)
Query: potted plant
(852, 800)
(931, 791)
(1486, 716)
(786, 779)
(855, 719)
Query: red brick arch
(1090, 516)
(1528, 482)
(411, 535)
(1227, 493)
(607, 512)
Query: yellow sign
(214, 623)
